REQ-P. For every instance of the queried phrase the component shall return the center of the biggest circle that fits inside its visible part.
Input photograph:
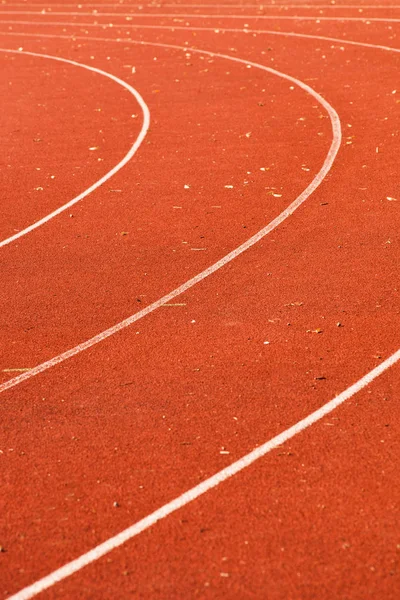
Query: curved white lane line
(217, 30)
(333, 150)
(205, 486)
(198, 16)
(109, 174)
(173, 27)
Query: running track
(199, 300)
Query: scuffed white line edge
(333, 150)
(109, 174)
(200, 489)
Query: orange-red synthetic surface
(98, 442)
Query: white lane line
(324, 170)
(173, 27)
(216, 29)
(259, 6)
(164, 511)
(132, 151)
(198, 16)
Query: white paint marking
(197, 491)
(198, 16)
(228, 6)
(333, 150)
(114, 170)
(172, 27)
(178, 27)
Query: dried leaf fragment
(295, 304)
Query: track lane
(97, 553)
(40, 165)
(128, 156)
(318, 518)
(202, 226)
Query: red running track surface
(95, 444)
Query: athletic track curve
(199, 366)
